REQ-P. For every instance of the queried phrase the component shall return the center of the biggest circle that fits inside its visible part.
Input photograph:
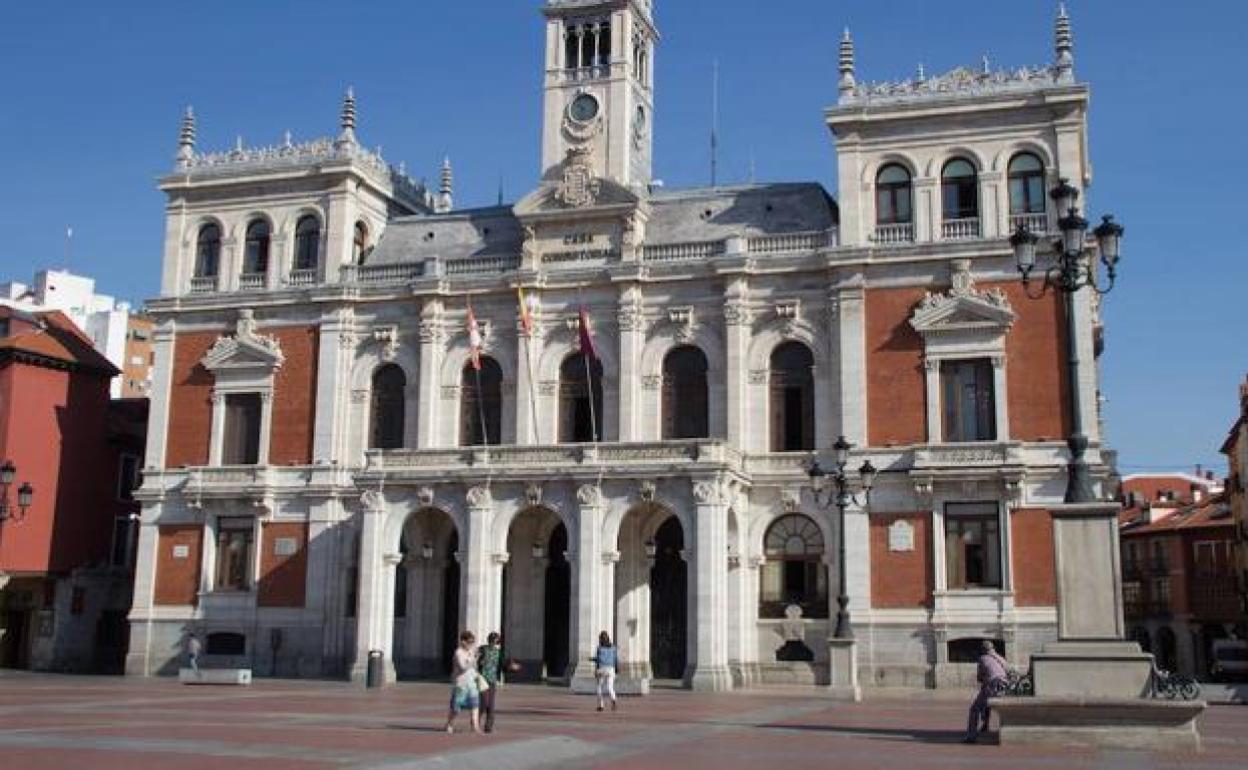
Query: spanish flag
(587, 337)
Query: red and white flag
(474, 339)
(587, 337)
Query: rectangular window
(242, 429)
(970, 408)
(972, 545)
(234, 541)
(128, 477)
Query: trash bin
(376, 676)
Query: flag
(587, 337)
(526, 320)
(474, 339)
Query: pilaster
(852, 348)
(477, 596)
(374, 606)
(736, 340)
(708, 622)
(631, 326)
(432, 337)
(589, 615)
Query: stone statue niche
(794, 649)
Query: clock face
(584, 108)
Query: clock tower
(599, 93)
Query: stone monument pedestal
(843, 670)
(1091, 687)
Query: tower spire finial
(186, 138)
(847, 64)
(1064, 41)
(446, 192)
(348, 118)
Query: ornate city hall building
(377, 420)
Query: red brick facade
(177, 564)
(294, 399)
(896, 385)
(901, 579)
(1035, 571)
(283, 577)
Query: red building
(66, 563)
(1179, 587)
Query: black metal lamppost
(1073, 270)
(833, 488)
(25, 495)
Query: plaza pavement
(53, 722)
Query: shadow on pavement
(948, 737)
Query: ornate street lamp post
(833, 488)
(1073, 270)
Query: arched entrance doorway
(651, 596)
(426, 596)
(537, 596)
(668, 603)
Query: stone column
(589, 615)
(372, 621)
(332, 392)
(163, 340)
(325, 596)
(139, 657)
(432, 337)
(477, 596)
(632, 337)
(852, 347)
(736, 341)
(708, 615)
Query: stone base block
(219, 676)
(808, 674)
(1117, 670)
(1129, 723)
(710, 679)
(843, 670)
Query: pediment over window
(245, 351)
(964, 308)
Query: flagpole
(528, 359)
(485, 431)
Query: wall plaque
(285, 546)
(181, 552)
(901, 536)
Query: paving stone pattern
(53, 722)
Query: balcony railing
(1036, 223)
(682, 252)
(667, 454)
(376, 275)
(960, 229)
(791, 242)
(251, 281)
(482, 265)
(898, 233)
(204, 285)
(301, 278)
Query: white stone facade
(475, 532)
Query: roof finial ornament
(922, 75)
(348, 118)
(446, 192)
(848, 82)
(1065, 44)
(186, 139)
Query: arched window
(792, 398)
(1027, 185)
(307, 243)
(481, 408)
(685, 394)
(580, 419)
(959, 185)
(256, 258)
(794, 572)
(359, 246)
(208, 251)
(389, 407)
(893, 196)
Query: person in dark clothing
(489, 666)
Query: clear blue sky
(92, 93)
